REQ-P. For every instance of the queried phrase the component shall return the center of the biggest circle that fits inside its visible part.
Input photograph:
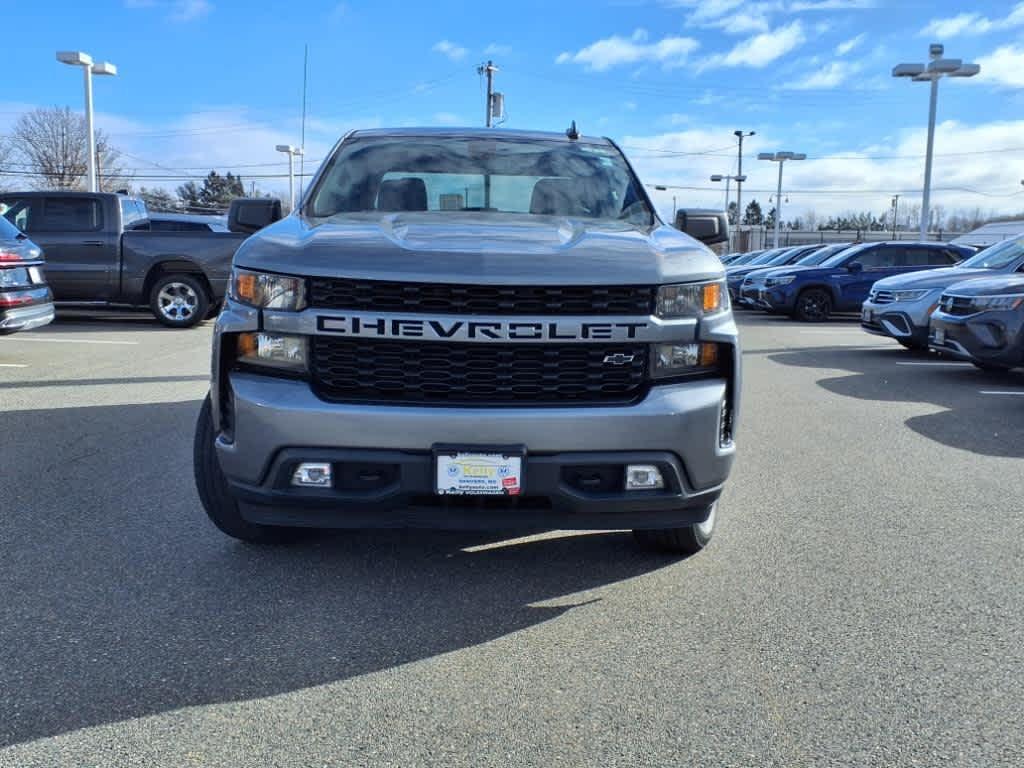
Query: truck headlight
(910, 295)
(681, 359)
(779, 280)
(268, 291)
(273, 350)
(1001, 301)
(692, 299)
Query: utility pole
(739, 173)
(895, 212)
(489, 69)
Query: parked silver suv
(473, 329)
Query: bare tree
(50, 150)
(5, 159)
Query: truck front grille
(404, 372)
(435, 298)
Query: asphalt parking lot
(860, 604)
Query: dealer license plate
(479, 474)
(940, 335)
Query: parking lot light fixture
(780, 158)
(292, 153)
(84, 60)
(937, 68)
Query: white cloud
(189, 10)
(451, 50)
(831, 5)
(971, 24)
(848, 45)
(833, 74)
(759, 50)
(447, 118)
(616, 50)
(496, 49)
(1004, 66)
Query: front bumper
(278, 423)
(902, 320)
(14, 319)
(986, 337)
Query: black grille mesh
(381, 296)
(507, 374)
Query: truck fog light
(273, 350)
(676, 359)
(312, 473)
(643, 477)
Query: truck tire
(991, 367)
(179, 300)
(220, 506)
(688, 540)
(813, 306)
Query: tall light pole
(489, 69)
(84, 60)
(739, 179)
(936, 68)
(780, 158)
(739, 172)
(292, 153)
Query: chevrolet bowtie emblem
(618, 359)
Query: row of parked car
(952, 299)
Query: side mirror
(708, 226)
(854, 268)
(251, 214)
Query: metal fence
(754, 238)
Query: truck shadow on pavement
(121, 600)
(984, 424)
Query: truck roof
(65, 193)
(483, 133)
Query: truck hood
(496, 248)
(990, 286)
(932, 278)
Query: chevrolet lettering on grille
(391, 326)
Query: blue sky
(217, 83)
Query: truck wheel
(813, 306)
(991, 367)
(179, 301)
(688, 540)
(220, 506)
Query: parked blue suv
(842, 283)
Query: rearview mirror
(855, 267)
(251, 214)
(708, 226)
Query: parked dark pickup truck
(99, 251)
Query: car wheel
(688, 540)
(179, 301)
(215, 495)
(991, 367)
(813, 306)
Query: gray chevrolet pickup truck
(473, 329)
(100, 252)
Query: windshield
(7, 230)
(765, 257)
(458, 173)
(821, 255)
(839, 258)
(745, 258)
(784, 257)
(996, 256)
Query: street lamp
(933, 72)
(292, 153)
(739, 179)
(84, 60)
(780, 158)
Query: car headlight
(910, 295)
(1002, 301)
(273, 350)
(692, 299)
(779, 280)
(681, 359)
(268, 291)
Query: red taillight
(14, 300)
(8, 256)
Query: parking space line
(1001, 392)
(13, 365)
(937, 362)
(73, 341)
